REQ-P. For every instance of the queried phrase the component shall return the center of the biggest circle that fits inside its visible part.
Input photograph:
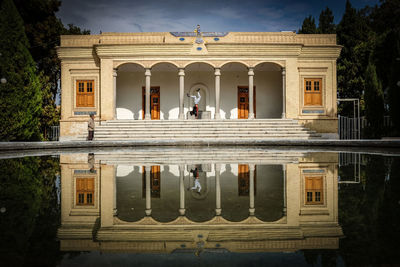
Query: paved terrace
(328, 143)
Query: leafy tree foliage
(43, 30)
(20, 96)
(374, 106)
(308, 25)
(326, 25)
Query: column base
(217, 116)
(218, 212)
(283, 115)
(252, 211)
(181, 117)
(148, 212)
(115, 212)
(251, 116)
(147, 117)
(182, 212)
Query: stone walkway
(12, 146)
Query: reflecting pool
(200, 206)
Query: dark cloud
(178, 15)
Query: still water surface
(200, 207)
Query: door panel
(243, 102)
(154, 102)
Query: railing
(54, 133)
(353, 160)
(349, 128)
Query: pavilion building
(242, 76)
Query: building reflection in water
(251, 201)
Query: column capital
(115, 74)
(147, 72)
(147, 168)
(251, 72)
(181, 72)
(217, 167)
(283, 71)
(252, 167)
(181, 167)
(217, 72)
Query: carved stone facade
(279, 62)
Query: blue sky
(180, 15)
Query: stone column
(148, 192)
(251, 208)
(284, 188)
(115, 93)
(283, 93)
(115, 193)
(181, 92)
(181, 190)
(217, 74)
(147, 115)
(217, 190)
(251, 93)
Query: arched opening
(130, 79)
(200, 75)
(234, 75)
(164, 76)
(268, 82)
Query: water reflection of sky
(255, 207)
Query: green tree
(308, 25)
(43, 30)
(374, 105)
(326, 25)
(20, 96)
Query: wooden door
(155, 182)
(244, 180)
(243, 102)
(314, 193)
(312, 92)
(154, 102)
(85, 191)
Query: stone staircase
(202, 129)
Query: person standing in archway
(196, 99)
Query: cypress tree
(308, 25)
(20, 96)
(326, 24)
(374, 105)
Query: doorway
(154, 102)
(243, 102)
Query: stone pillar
(181, 92)
(283, 93)
(251, 208)
(148, 192)
(284, 188)
(106, 107)
(181, 190)
(115, 93)
(147, 115)
(217, 93)
(115, 193)
(251, 93)
(217, 190)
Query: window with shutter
(85, 93)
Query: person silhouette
(196, 99)
(197, 184)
